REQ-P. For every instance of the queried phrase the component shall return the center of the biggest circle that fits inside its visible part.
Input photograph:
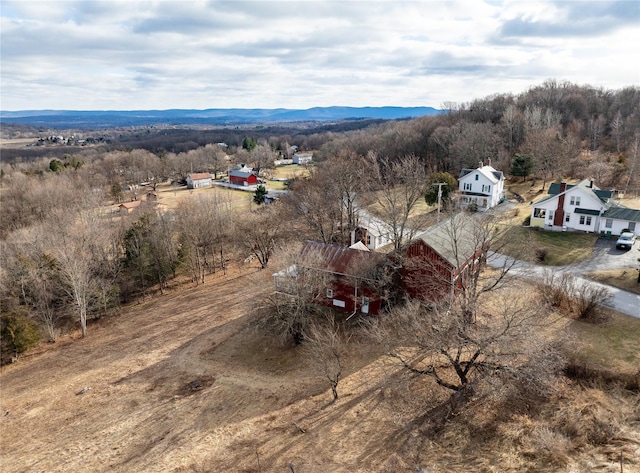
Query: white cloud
(205, 54)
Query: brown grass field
(123, 400)
(188, 382)
(626, 279)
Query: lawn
(625, 279)
(559, 248)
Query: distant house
(438, 262)
(128, 207)
(242, 175)
(583, 207)
(483, 187)
(302, 158)
(199, 180)
(348, 275)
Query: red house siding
(425, 274)
(351, 292)
(240, 181)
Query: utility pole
(439, 184)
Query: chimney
(563, 187)
(591, 184)
(488, 161)
(480, 165)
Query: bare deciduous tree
(397, 187)
(506, 342)
(203, 225)
(327, 344)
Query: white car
(626, 240)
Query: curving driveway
(605, 256)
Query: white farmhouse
(583, 207)
(483, 187)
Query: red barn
(349, 283)
(243, 176)
(438, 261)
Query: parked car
(626, 240)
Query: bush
(18, 333)
(527, 221)
(541, 254)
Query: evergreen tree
(522, 166)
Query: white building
(483, 187)
(198, 180)
(302, 158)
(583, 207)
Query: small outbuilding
(199, 180)
(128, 207)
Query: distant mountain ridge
(216, 116)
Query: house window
(539, 213)
(573, 201)
(550, 215)
(608, 223)
(330, 293)
(588, 220)
(585, 220)
(581, 219)
(467, 186)
(476, 177)
(577, 200)
(486, 188)
(365, 301)
(567, 218)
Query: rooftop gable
(455, 239)
(336, 258)
(586, 187)
(489, 172)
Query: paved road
(605, 257)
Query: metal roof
(199, 175)
(336, 258)
(455, 239)
(623, 213)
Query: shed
(128, 207)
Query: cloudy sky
(130, 55)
